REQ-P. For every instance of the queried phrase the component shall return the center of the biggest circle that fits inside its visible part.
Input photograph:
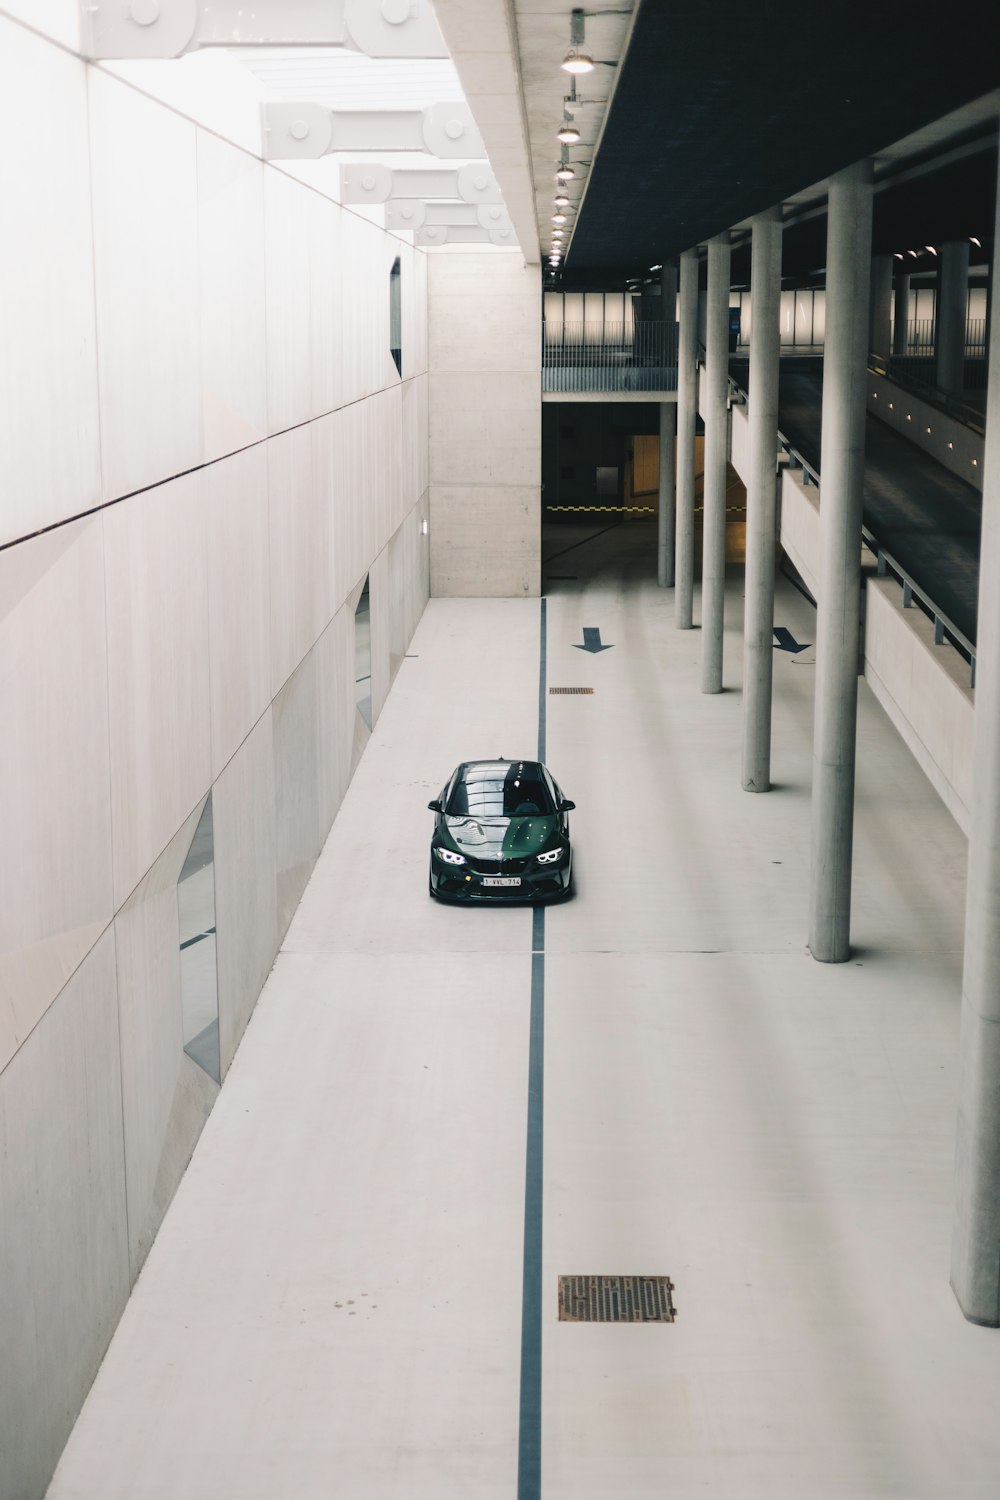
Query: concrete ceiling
(507, 54)
(724, 109)
(696, 117)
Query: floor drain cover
(616, 1299)
(570, 690)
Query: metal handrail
(886, 563)
(943, 627)
(925, 390)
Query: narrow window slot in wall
(363, 656)
(396, 315)
(196, 933)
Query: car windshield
(500, 791)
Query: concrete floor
(333, 1305)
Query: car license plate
(501, 880)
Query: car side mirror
(434, 806)
(566, 806)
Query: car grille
(498, 866)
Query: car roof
(475, 770)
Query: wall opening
(363, 656)
(196, 929)
(396, 315)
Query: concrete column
(842, 461)
(713, 557)
(665, 504)
(687, 412)
(668, 428)
(975, 1260)
(880, 318)
(762, 414)
(952, 307)
(902, 311)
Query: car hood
(500, 838)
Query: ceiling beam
(481, 36)
(169, 28)
(303, 131)
(372, 182)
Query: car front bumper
(458, 883)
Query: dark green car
(501, 834)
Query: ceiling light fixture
(576, 60)
(931, 249)
(565, 172)
(974, 241)
(656, 268)
(568, 133)
(561, 200)
(558, 218)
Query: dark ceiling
(724, 108)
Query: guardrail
(886, 563)
(610, 357)
(952, 406)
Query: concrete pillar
(975, 1260)
(902, 312)
(762, 414)
(665, 503)
(716, 416)
(842, 461)
(952, 307)
(668, 428)
(687, 412)
(880, 314)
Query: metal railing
(609, 357)
(913, 379)
(945, 630)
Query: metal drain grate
(616, 1299)
(570, 690)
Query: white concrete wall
(952, 444)
(205, 447)
(484, 329)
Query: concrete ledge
(924, 690)
(800, 526)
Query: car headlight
(449, 856)
(550, 857)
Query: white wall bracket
(303, 131)
(411, 213)
(169, 28)
(372, 182)
(434, 235)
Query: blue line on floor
(529, 1448)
